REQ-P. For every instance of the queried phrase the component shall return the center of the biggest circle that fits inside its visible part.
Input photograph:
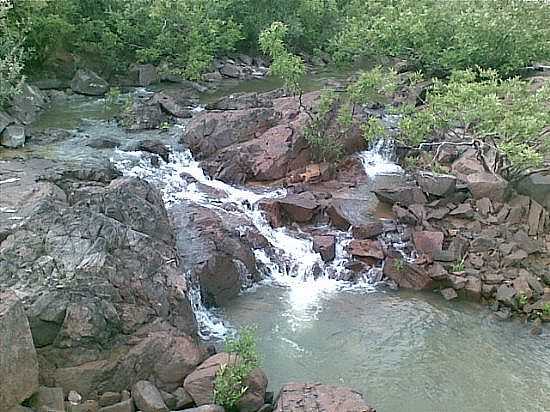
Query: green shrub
(230, 381)
(12, 55)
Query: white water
(379, 159)
(293, 264)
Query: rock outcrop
(89, 83)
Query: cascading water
(293, 264)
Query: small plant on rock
(399, 264)
(230, 381)
(458, 266)
(521, 300)
(546, 310)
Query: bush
(229, 384)
(441, 36)
(12, 55)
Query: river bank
(128, 242)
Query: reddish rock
(326, 246)
(368, 230)
(404, 195)
(486, 185)
(366, 248)
(428, 242)
(303, 397)
(436, 184)
(300, 207)
(273, 213)
(407, 275)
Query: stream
(405, 351)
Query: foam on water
(378, 160)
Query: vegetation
(11, 55)
(546, 310)
(458, 266)
(230, 382)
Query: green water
(407, 352)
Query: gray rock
(326, 246)
(86, 406)
(230, 70)
(13, 137)
(125, 406)
(206, 408)
(506, 294)
(109, 398)
(183, 399)
(18, 360)
(143, 74)
(148, 398)
(48, 399)
(486, 185)
(74, 397)
(89, 83)
(436, 184)
(26, 106)
(449, 294)
(536, 186)
(5, 121)
(403, 195)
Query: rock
(206, 408)
(13, 136)
(200, 383)
(484, 206)
(272, 209)
(326, 246)
(536, 186)
(449, 294)
(155, 147)
(147, 397)
(368, 230)
(230, 70)
(18, 360)
(457, 282)
(428, 242)
(177, 103)
(404, 215)
(48, 399)
(521, 286)
(214, 76)
(26, 106)
(436, 184)
(143, 114)
(5, 121)
(464, 211)
(407, 275)
(403, 195)
(109, 398)
(366, 248)
(169, 400)
(125, 406)
(492, 278)
(486, 185)
(536, 214)
(536, 327)
(472, 288)
(467, 164)
(143, 74)
(183, 399)
(89, 83)
(506, 294)
(300, 207)
(241, 101)
(210, 132)
(74, 398)
(305, 397)
(86, 406)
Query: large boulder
(407, 275)
(313, 397)
(200, 383)
(537, 186)
(26, 106)
(147, 397)
(13, 136)
(325, 245)
(145, 113)
(405, 195)
(241, 101)
(18, 360)
(5, 121)
(89, 83)
(428, 242)
(486, 185)
(143, 74)
(300, 207)
(436, 184)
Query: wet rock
(472, 288)
(366, 248)
(305, 397)
(536, 327)
(210, 132)
(144, 114)
(13, 137)
(27, 105)
(300, 207)
(109, 398)
(142, 74)
(404, 215)
(403, 195)
(537, 186)
(147, 397)
(102, 143)
(506, 294)
(457, 282)
(407, 275)
(124, 406)
(155, 147)
(503, 313)
(449, 294)
(48, 399)
(326, 246)
(18, 360)
(89, 83)
(436, 184)
(486, 185)
(438, 272)
(428, 242)
(368, 230)
(200, 383)
(177, 103)
(272, 209)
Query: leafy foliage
(11, 55)
(441, 36)
(229, 384)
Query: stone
(535, 215)
(368, 230)
(206, 408)
(407, 275)
(472, 288)
(300, 207)
(325, 246)
(403, 195)
(147, 397)
(169, 400)
(506, 294)
(492, 278)
(272, 211)
(486, 185)
(436, 184)
(404, 215)
(143, 74)
(124, 406)
(536, 327)
(74, 397)
(155, 147)
(86, 406)
(313, 397)
(109, 398)
(143, 114)
(13, 137)
(438, 272)
(428, 242)
(18, 359)
(241, 101)
(521, 286)
(463, 210)
(5, 121)
(449, 294)
(48, 399)
(484, 206)
(183, 399)
(200, 383)
(27, 104)
(536, 186)
(457, 282)
(366, 248)
(230, 70)
(89, 83)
